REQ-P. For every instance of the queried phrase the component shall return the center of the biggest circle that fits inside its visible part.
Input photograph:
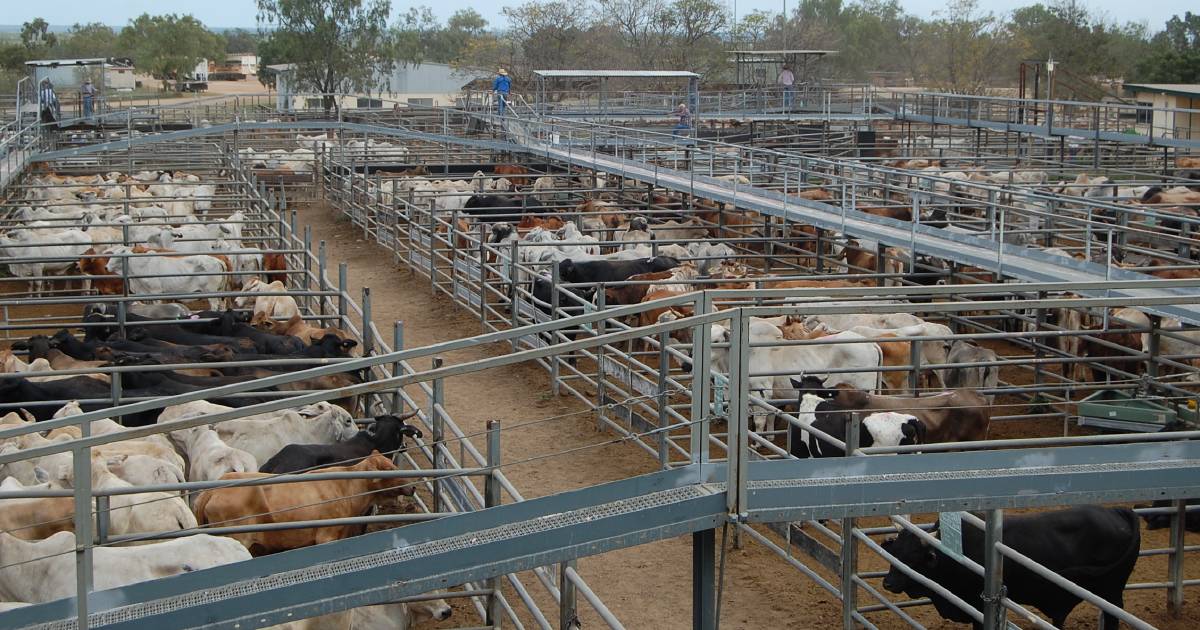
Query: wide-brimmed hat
(503, 72)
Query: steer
(977, 377)
(961, 415)
(882, 428)
(1094, 547)
(593, 271)
(386, 435)
(301, 501)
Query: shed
(543, 93)
(1172, 110)
(761, 67)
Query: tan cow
(301, 501)
(961, 415)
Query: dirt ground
(646, 586)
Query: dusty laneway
(647, 586)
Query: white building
(246, 62)
(429, 84)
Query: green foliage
(89, 40)
(1176, 55)
(338, 46)
(36, 36)
(241, 41)
(169, 46)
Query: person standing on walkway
(787, 81)
(88, 92)
(501, 86)
(49, 102)
(685, 119)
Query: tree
(550, 35)
(241, 41)
(36, 36)
(639, 26)
(338, 46)
(90, 40)
(1177, 55)
(169, 46)
(967, 47)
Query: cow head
(435, 609)
(502, 232)
(914, 432)
(639, 224)
(813, 385)
(918, 555)
(388, 432)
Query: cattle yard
(1049, 290)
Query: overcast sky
(230, 13)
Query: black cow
(492, 208)
(386, 435)
(1094, 547)
(22, 390)
(593, 271)
(1191, 521)
(228, 324)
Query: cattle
(168, 310)
(1094, 547)
(44, 571)
(301, 501)
(609, 214)
(1156, 195)
(596, 271)
(273, 266)
(37, 518)
(1191, 521)
(956, 416)
(883, 428)
(386, 436)
(45, 254)
(297, 327)
(493, 208)
(864, 358)
(513, 173)
(209, 458)
(977, 377)
(621, 294)
(265, 434)
(1128, 343)
(167, 275)
(273, 306)
(693, 228)
(401, 616)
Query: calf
(1094, 547)
(883, 428)
(385, 436)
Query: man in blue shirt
(501, 86)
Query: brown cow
(1129, 342)
(301, 501)
(512, 173)
(275, 263)
(608, 212)
(621, 294)
(961, 415)
(900, 213)
(296, 327)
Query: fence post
(82, 463)
(601, 371)
(342, 287)
(555, 280)
(368, 337)
(664, 418)
(849, 552)
(1153, 348)
(737, 438)
(397, 369)
(704, 580)
(321, 264)
(103, 519)
(701, 388)
(437, 424)
(1175, 560)
(491, 498)
(914, 377)
(993, 572)
(568, 617)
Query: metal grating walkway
(386, 565)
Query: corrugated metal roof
(609, 74)
(1185, 89)
(67, 62)
(783, 52)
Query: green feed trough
(1119, 411)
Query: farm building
(861, 360)
(1173, 108)
(428, 84)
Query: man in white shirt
(787, 81)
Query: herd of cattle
(159, 228)
(604, 253)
